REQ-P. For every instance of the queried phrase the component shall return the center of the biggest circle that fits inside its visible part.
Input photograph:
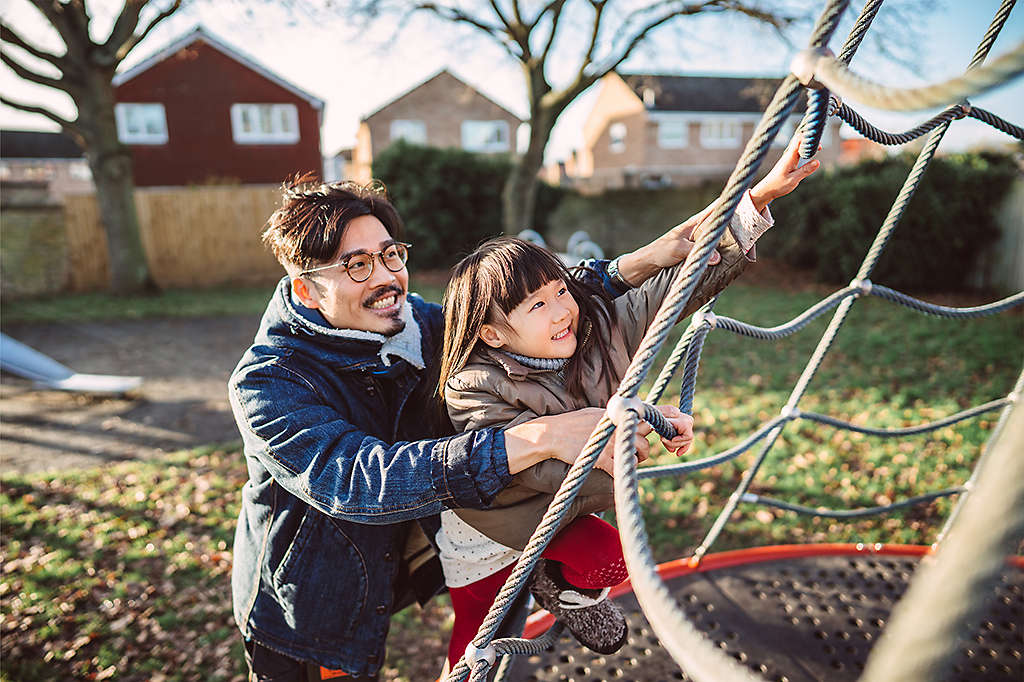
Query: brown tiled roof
(706, 93)
(35, 144)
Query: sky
(356, 70)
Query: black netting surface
(800, 619)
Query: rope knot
(863, 284)
(474, 655)
(805, 63)
(617, 407)
(964, 109)
(701, 317)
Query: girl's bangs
(517, 269)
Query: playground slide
(19, 359)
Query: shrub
(450, 199)
(830, 222)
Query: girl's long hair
(487, 285)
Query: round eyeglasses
(359, 266)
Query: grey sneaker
(595, 620)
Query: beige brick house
(443, 111)
(655, 130)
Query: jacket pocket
(322, 581)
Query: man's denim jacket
(334, 481)
(337, 472)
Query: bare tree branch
(458, 16)
(125, 44)
(30, 75)
(555, 8)
(43, 111)
(7, 34)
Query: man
(333, 401)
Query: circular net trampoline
(795, 613)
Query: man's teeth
(384, 302)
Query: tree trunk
(111, 166)
(520, 193)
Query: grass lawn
(122, 572)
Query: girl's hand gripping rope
(683, 424)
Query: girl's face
(544, 325)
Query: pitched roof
(705, 93)
(199, 33)
(36, 144)
(443, 73)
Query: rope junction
(823, 75)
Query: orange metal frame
(540, 621)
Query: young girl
(524, 338)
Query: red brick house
(200, 112)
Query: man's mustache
(390, 290)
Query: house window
(485, 136)
(673, 134)
(617, 137)
(409, 130)
(141, 123)
(264, 123)
(721, 133)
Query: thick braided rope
(821, 107)
(690, 649)
(689, 382)
(859, 30)
(863, 274)
(838, 78)
(847, 514)
(813, 125)
(950, 592)
(1016, 395)
(885, 293)
(828, 338)
(998, 21)
(999, 124)
(677, 356)
(761, 431)
(862, 126)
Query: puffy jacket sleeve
(314, 453)
(637, 308)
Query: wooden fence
(192, 236)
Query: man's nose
(381, 276)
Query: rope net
(828, 81)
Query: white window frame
(616, 141)
(713, 132)
(288, 134)
(467, 133)
(409, 124)
(122, 110)
(665, 124)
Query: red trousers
(590, 555)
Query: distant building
(51, 158)
(654, 130)
(201, 112)
(339, 167)
(443, 111)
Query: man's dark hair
(307, 230)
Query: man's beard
(397, 324)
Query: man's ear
(492, 336)
(307, 296)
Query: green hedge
(829, 223)
(450, 199)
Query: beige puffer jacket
(494, 389)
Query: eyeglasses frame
(374, 257)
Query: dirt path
(182, 402)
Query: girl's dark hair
(307, 229)
(487, 285)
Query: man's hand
(562, 437)
(683, 424)
(784, 177)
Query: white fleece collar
(405, 344)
